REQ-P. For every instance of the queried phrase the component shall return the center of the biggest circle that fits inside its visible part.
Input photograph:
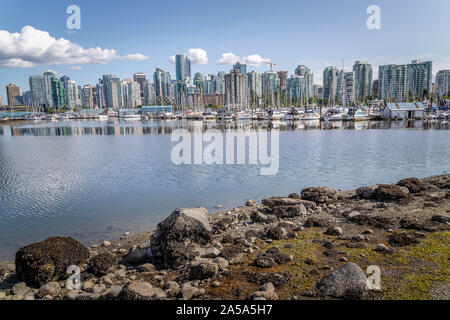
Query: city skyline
(305, 40)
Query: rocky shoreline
(316, 244)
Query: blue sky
(290, 32)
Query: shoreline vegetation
(317, 244)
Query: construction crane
(271, 64)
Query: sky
(125, 37)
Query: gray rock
(267, 287)
(189, 292)
(136, 255)
(348, 282)
(319, 194)
(172, 288)
(49, 289)
(210, 252)
(142, 291)
(20, 289)
(250, 203)
(222, 263)
(257, 216)
(73, 294)
(366, 192)
(382, 248)
(264, 295)
(202, 269)
(215, 284)
(285, 212)
(334, 231)
(146, 267)
(176, 238)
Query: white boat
(311, 116)
(275, 116)
(360, 115)
(242, 116)
(131, 117)
(102, 117)
(334, 114)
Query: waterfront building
(443, 84)
(140, 78)
(72, 94)
(375, 89)
(270, 83)
(37, 90)
(318, 91)
(404, 111)
(220, 83)
(242, 67)
(87, 97)
(254, 85)
(330, 82)
(58, 94)
(346, 83)
(183, 67)
(149, 93)
(363, 79)
(236, 89)
(305, 72)
(48, 91)
(295, 89)
(100, 90)
(392, 83)
(282, 76)
(420, 78)
(162, 83)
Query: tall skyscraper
(295, 89)
(282, 76)
(183, 67)
(330, 82)
(363, 79)
(270, 83)
(236, 89)
(305, 72)
(420, 77)
(72, 95)
(12, 91)
(255, 84)
(242, 67)
(37, 90)
(443, 83)
(346, 88)
(58, 94)
(48, 92)
(162, 84)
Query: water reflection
(118, 127)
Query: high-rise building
(58, 93)
(220, 82)
(375, 89)
(242, 67)
(392, 83)
(330, 82)
(100, 90)
(305, 72)
(162, 84)
(443, 83)
(270, 83)
(183, 67)
(48, 91)
(346, 88)
(254, 85)
(282, 76)
(72, 95)
(149, 93)
(363, 79)
(420, 77)
(37, 90)
(87, 96)
(140, 78)
(295, 89)
(236, 89)
(112, 91)
(318, 91)
(12, 91)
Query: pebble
(126, 234)
(20, 289)
(215, 284)
(87, 285)
(106, 243)
(343, 259)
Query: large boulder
(286, 212)
(42, 262)
(391, 192)
(414, 185)
(202, 269)
(347, 282)
(178, 237)
(366, 192)
(319, 194)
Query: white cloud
(252, 60)
(197, 56)
(136, 57)
(229, 58)
(32, 47)
(76, 68)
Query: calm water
(94, 181)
